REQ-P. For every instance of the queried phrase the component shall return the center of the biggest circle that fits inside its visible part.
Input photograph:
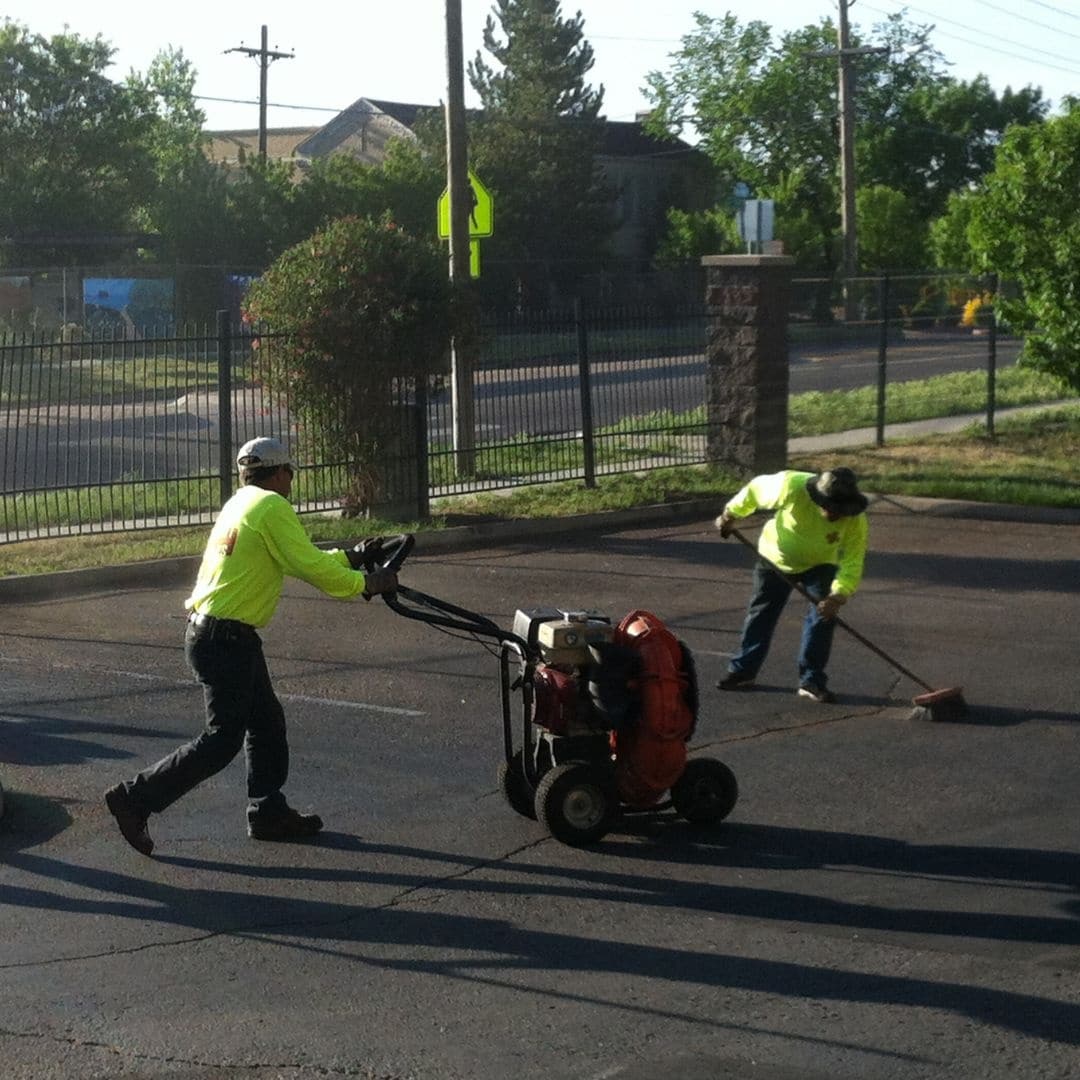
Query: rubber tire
(706, 792)
(576, 803)
(515, 788)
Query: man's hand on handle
(829, 608)
(378, 581)
(725, 523)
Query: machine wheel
(515, 788)
(706, 792)
(576, 803)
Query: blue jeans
(771, 592)
(242, 712)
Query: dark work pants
(771, 592)
(241, 710)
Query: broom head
(940, 705)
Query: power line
(1030, 22)
(993, 37)
(1056, 10)
(981, 45)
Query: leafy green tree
(1025, 226)
(939, 135)
(360, 304)
(892, 232)
(766, 110)
(76, 156)
(948, 241)
(535, 144)
(407, 184)
(692, 233)
(188, 210)
(757, 108)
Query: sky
(396, 51)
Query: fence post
(423, 470)
(991, 359)
(225, 440)
(585, 390)
(882, 355)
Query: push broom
(940, 705)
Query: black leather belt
(196, 618)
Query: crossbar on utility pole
(265, 56)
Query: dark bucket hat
(838, 492)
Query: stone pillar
(746, 299)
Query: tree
(1025, 226)
(76, 157)
(892, 233)
(407, 184)
(358, 306)
(766, 110)
(536, 142)
(949, 245)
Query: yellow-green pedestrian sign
(481, 215)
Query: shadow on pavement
(471, 948)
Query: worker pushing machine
(256, 541)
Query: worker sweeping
(815, 539)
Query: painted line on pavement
(144, 677)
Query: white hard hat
(263, 453)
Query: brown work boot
(131, 820)
(287, 824)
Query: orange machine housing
(651, 755)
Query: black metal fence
(103, 433)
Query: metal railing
(102, 433)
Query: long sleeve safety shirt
(256, 540)
(799, 536)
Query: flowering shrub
(972, 307)
(354, 309)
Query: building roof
(281, 144)
(365, 128)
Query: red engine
(557, 701)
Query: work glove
(830, 607)
(725, 523)
(379, 581)
(366, 554)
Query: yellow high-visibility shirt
(256, 540)
(799, 536)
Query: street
(889, 900)
(106, 444)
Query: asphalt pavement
(890, 898)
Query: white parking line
(143, 676)
(389, 709)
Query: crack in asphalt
(169, 1059)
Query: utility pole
(460, 195)
(844, 54)
(846, 105)
(265, 55)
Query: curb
(181, 571)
